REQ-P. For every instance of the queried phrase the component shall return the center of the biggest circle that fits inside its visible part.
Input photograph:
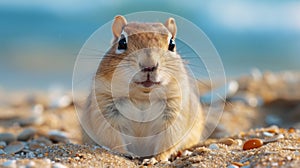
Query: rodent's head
(143, 55)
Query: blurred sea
(40, 41)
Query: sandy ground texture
(260, 127)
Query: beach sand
(260, 127)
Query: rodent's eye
(122, 43)
(171, 45)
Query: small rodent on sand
(143, 101)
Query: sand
(36, 131)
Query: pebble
(34, 120)
(44, 141)
(268, 134)
(26, 134)
(58, 136)
(252, 143)
(58, 165)
(226, 141)
(272, 129)
(291, 130)
(275, 138)
(64, 101)
(10, 163)
(213, 146)
(187, 153)
(7, 137)
(34, 146)
(14, 147)
(232, 166)
(239, 142)
(58, 99)
(2, 144)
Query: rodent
(143, 101)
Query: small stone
(291, 130)
(58, 136)
(268, 134)
(238, 142)
(226, 141)
(252, 143)
(232, 166)
(58, 99)
(58, 165)
(44, 141)
(34, 146)
(64, 101)
(34, 120)
(213, 146)
(272, 129)
(14, 147)
(239, 164)
(275, 138)
(10, 163)
(26, 134)
(7, 137)
(145, 161)
(2, 144)
(187, 153)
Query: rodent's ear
(171, 26)
(118, 25)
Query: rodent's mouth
(148, 83)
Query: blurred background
(40, 40)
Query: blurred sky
(41, 39)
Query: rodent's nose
(148, 68)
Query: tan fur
(129, 118)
